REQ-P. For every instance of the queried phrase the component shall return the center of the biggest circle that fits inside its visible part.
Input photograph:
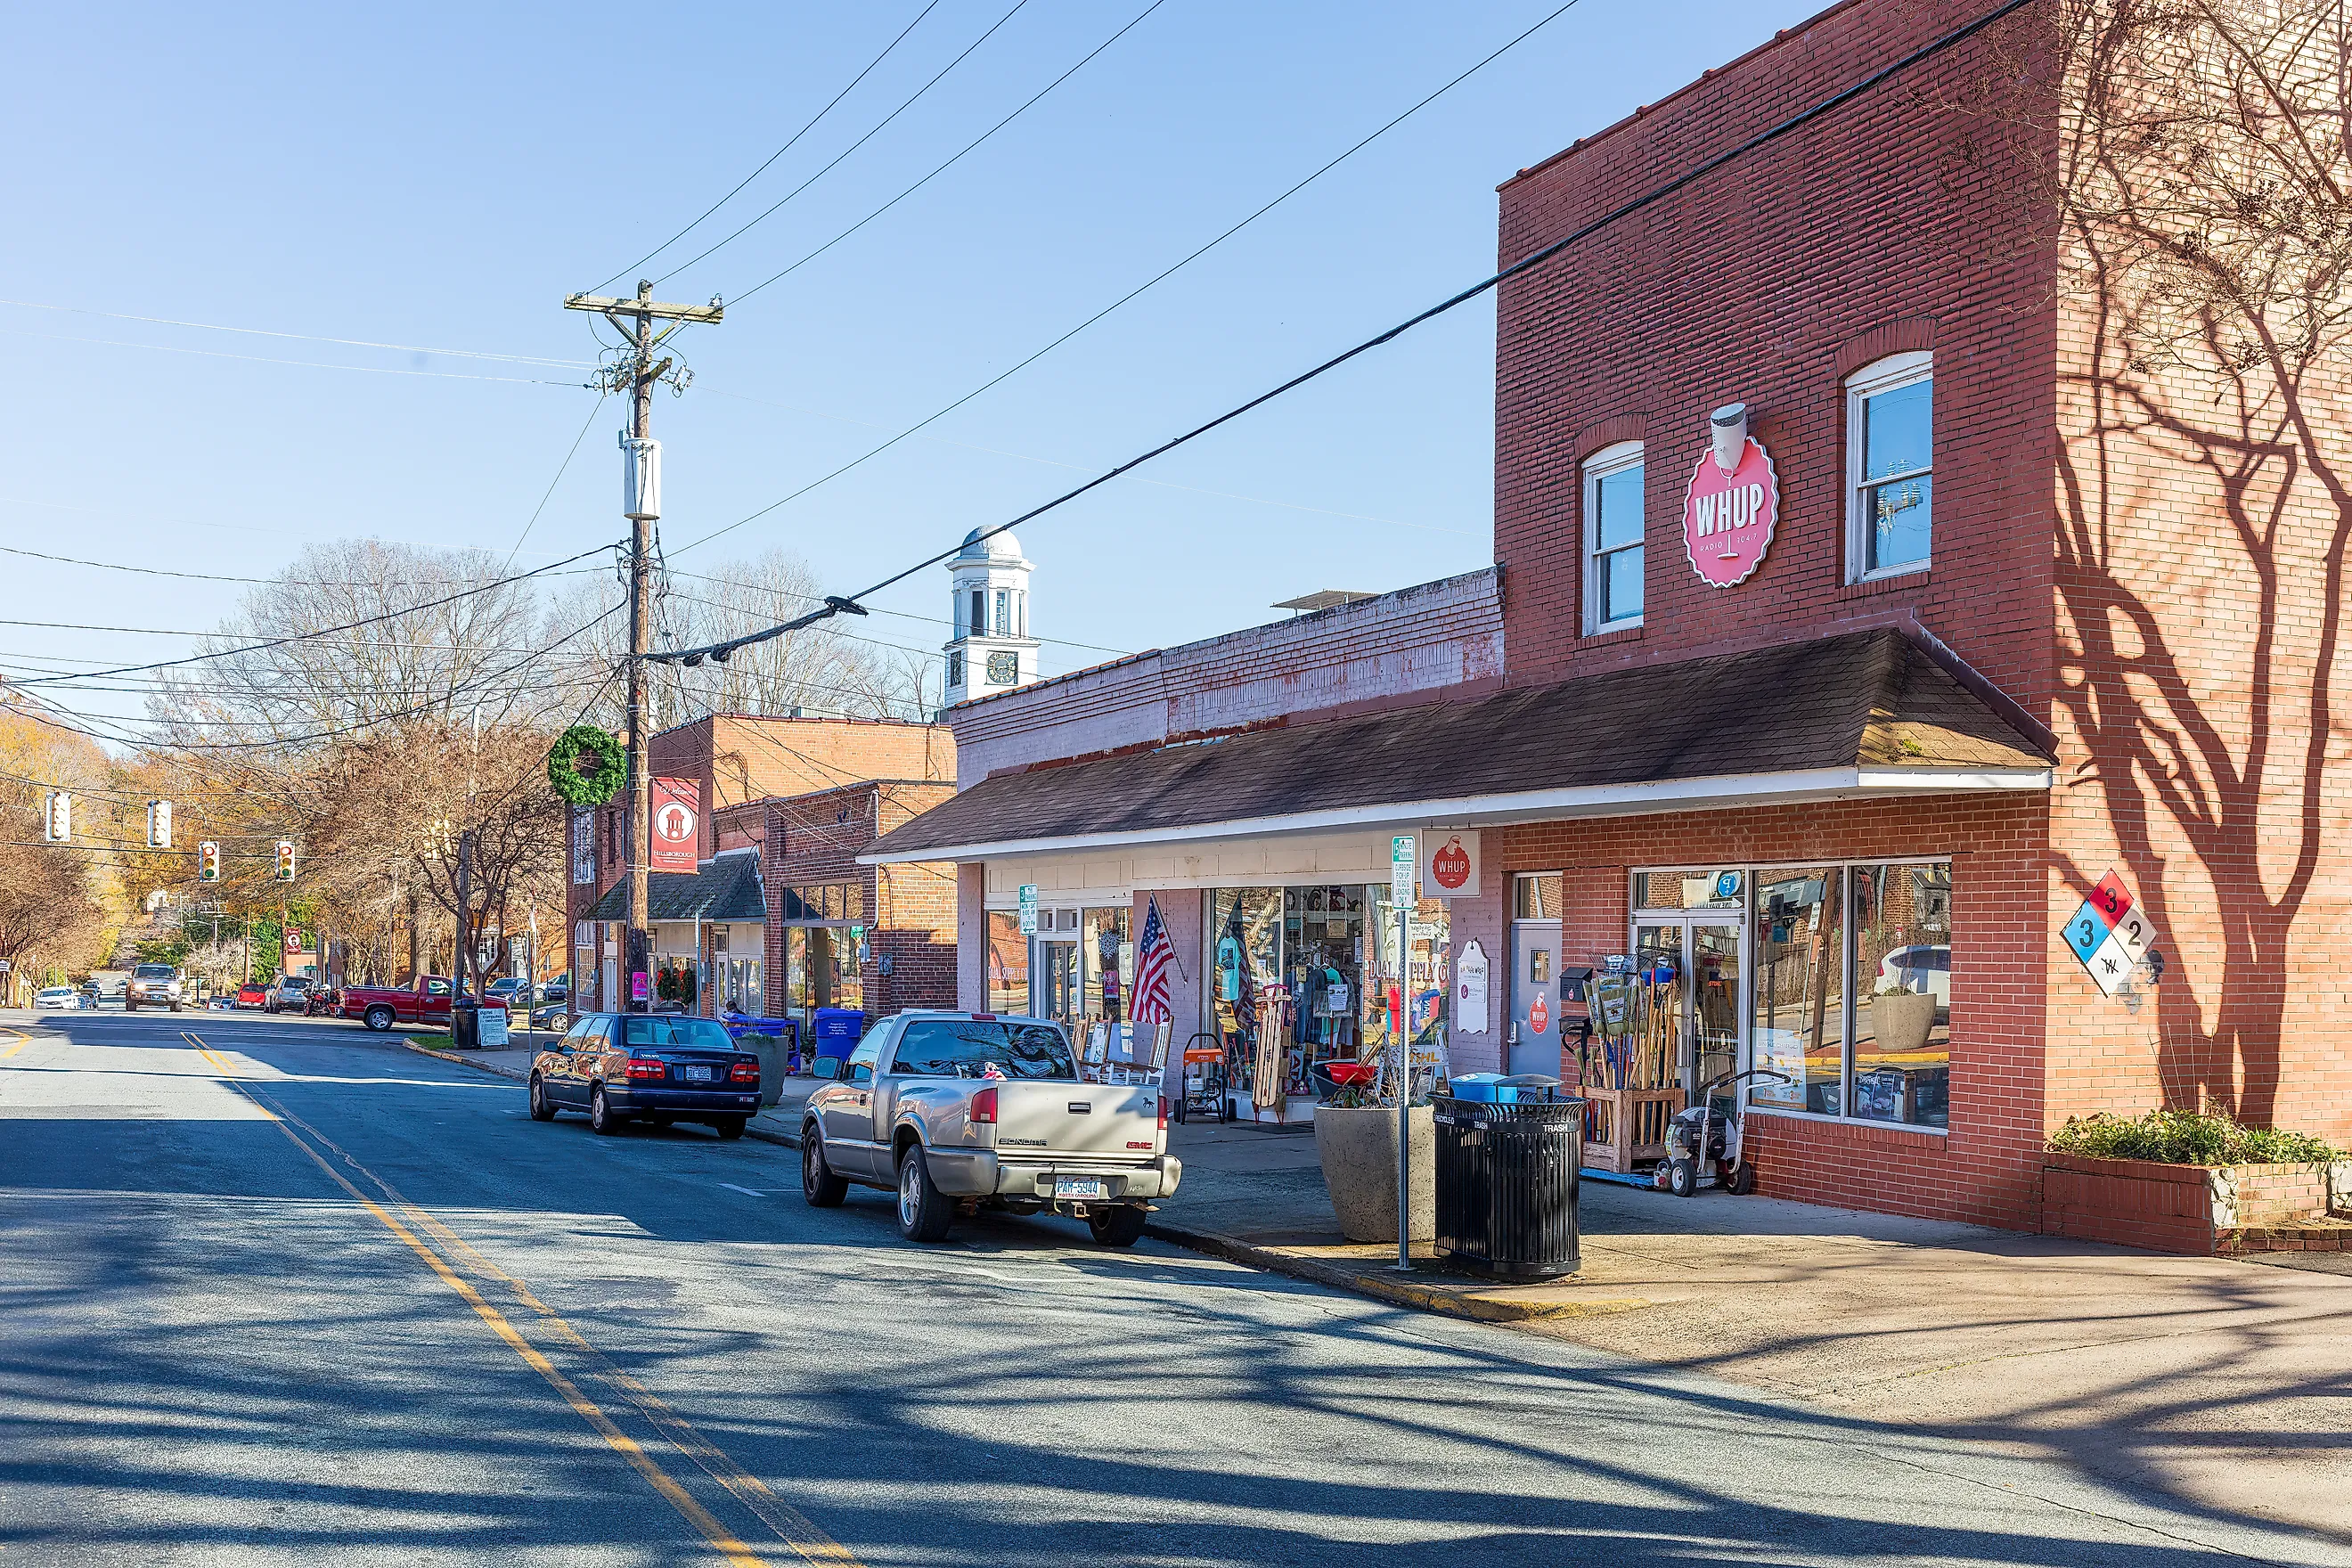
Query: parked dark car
(620, 1067)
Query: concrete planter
(1902, 1023)
(1359, 1149)
(771, 1052)
(2199, 1209)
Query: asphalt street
(274, 1291)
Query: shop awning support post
(1404, 865)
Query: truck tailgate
(1064, 1118)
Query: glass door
(1060, 987)
(1691, 969)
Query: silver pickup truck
(960, 1110)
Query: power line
(958, 158)
(306, 337)
(304, 363)
(561, 468)
(1150, 283)
(298, 637)
(440, 703)
(837, 604)
(788, 146)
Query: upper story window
(978, 611)
(1004, 613)
(1890, 448)
(1612, 537)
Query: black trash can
(465, 1024)
(1507, 1185)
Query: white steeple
(992, 650)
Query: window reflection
(1798, 1019)
(1903, 971)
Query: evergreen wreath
(597, 782)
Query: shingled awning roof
(726, 889)
(1861, 715)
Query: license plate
(1080, 1187)
(698, 1075)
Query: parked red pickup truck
(425, 1001)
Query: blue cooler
(835, 1033)
(1478, 1086)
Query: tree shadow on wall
(2203, 162)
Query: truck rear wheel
(924, 1212)
(1118, 1226)
(379, 1018)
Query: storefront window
(1704, 888)
(1535, 896)
(1007, 965)
(1106, 962)
(1429, 951)
(1799, 1018)
(821, 970)
(1903, 968)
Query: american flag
(1152, 956)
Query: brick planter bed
(2200, 1209)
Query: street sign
(1402, 864)
(1028, 909)
(293, 939)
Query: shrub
(2186, 1138)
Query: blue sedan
(656, 1067)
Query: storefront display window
(1107, 964)
(1298, 956)
(1717, 889)
(1429, 950)
(1798, 1019)
(1007, 963)
(1849, 983)
(821, 970)
(1903, 965)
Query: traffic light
(286, 860)
(159, 825)
(208, 861)
(56, 819)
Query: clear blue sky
(441, 176)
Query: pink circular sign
(1727, 518)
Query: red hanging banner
(677, 822)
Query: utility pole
(465, 905)
(641, 493)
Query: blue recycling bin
(835, 1032)
(1478, 1086)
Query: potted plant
(1356, 1138)
(1902, 1020)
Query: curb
(1476, 1306)
(465, 1061)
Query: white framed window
(1004, 613)
(1890, 480)
(1612, 537)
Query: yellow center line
(219, 1063)
(22, 1040)
(793, 1527)
(720, 1537)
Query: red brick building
(739, 763)
(843, 934)
(1869, 585)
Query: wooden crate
(1622, 1126)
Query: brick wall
(815, 838)
(1890, 224)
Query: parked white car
(63, 997)
(1921, 967)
